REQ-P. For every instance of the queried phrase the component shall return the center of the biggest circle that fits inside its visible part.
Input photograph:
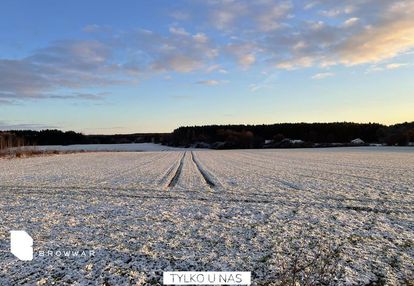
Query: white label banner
(206, 278)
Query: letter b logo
(21, 245)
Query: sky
(102, 67)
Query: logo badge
(21, 245)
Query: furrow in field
(275, 182)
(233, 173)
(134, 169)
(319, 177)
(359, 166)
(138, 172)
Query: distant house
(357, 141)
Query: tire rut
(177, 174)
(167, 174)
(206, 177)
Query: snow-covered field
(133, 147)
(242, 210)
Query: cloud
(76, 65)
(276, 34)
(310, 5)
(390, 66)
(395, 65)
(62, 65)
(7, 102)
(247, 60)
(374, 68)
(200, 38)
(267, 82)
(262, 15)
(84, 95)
(392, 34)
(209, 82)
(295, 63)
(180, 15)
(270, 18)
(25, 126)
(322, 75)
(91, 28)
(377, 44)
(364, 31)
(213, 68)
(350, 22)
(224, 15)
(337, 11)
(180, 51)
(179, 31)
(244, 53)
(178, 63)
(216, 68)
(223, 19)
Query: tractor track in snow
(203, 173)
(167, 174)
(177, 174)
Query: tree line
(256, 136)
(9, 140)
(230, 136)
(19, 138)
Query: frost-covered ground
(243, 210)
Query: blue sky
(152, 66)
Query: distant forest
(291, 135)
(18, 138)
(231, 136)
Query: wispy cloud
(395, 65)
(322, 75)
(267, 82)
(91, 28)
(210, 82)
(7, 102)
(180, 51)
(350, 22)
(180, 15)
(216, 68)
(265, 16)
(25, 126)
(243, 53)
(83, 95)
